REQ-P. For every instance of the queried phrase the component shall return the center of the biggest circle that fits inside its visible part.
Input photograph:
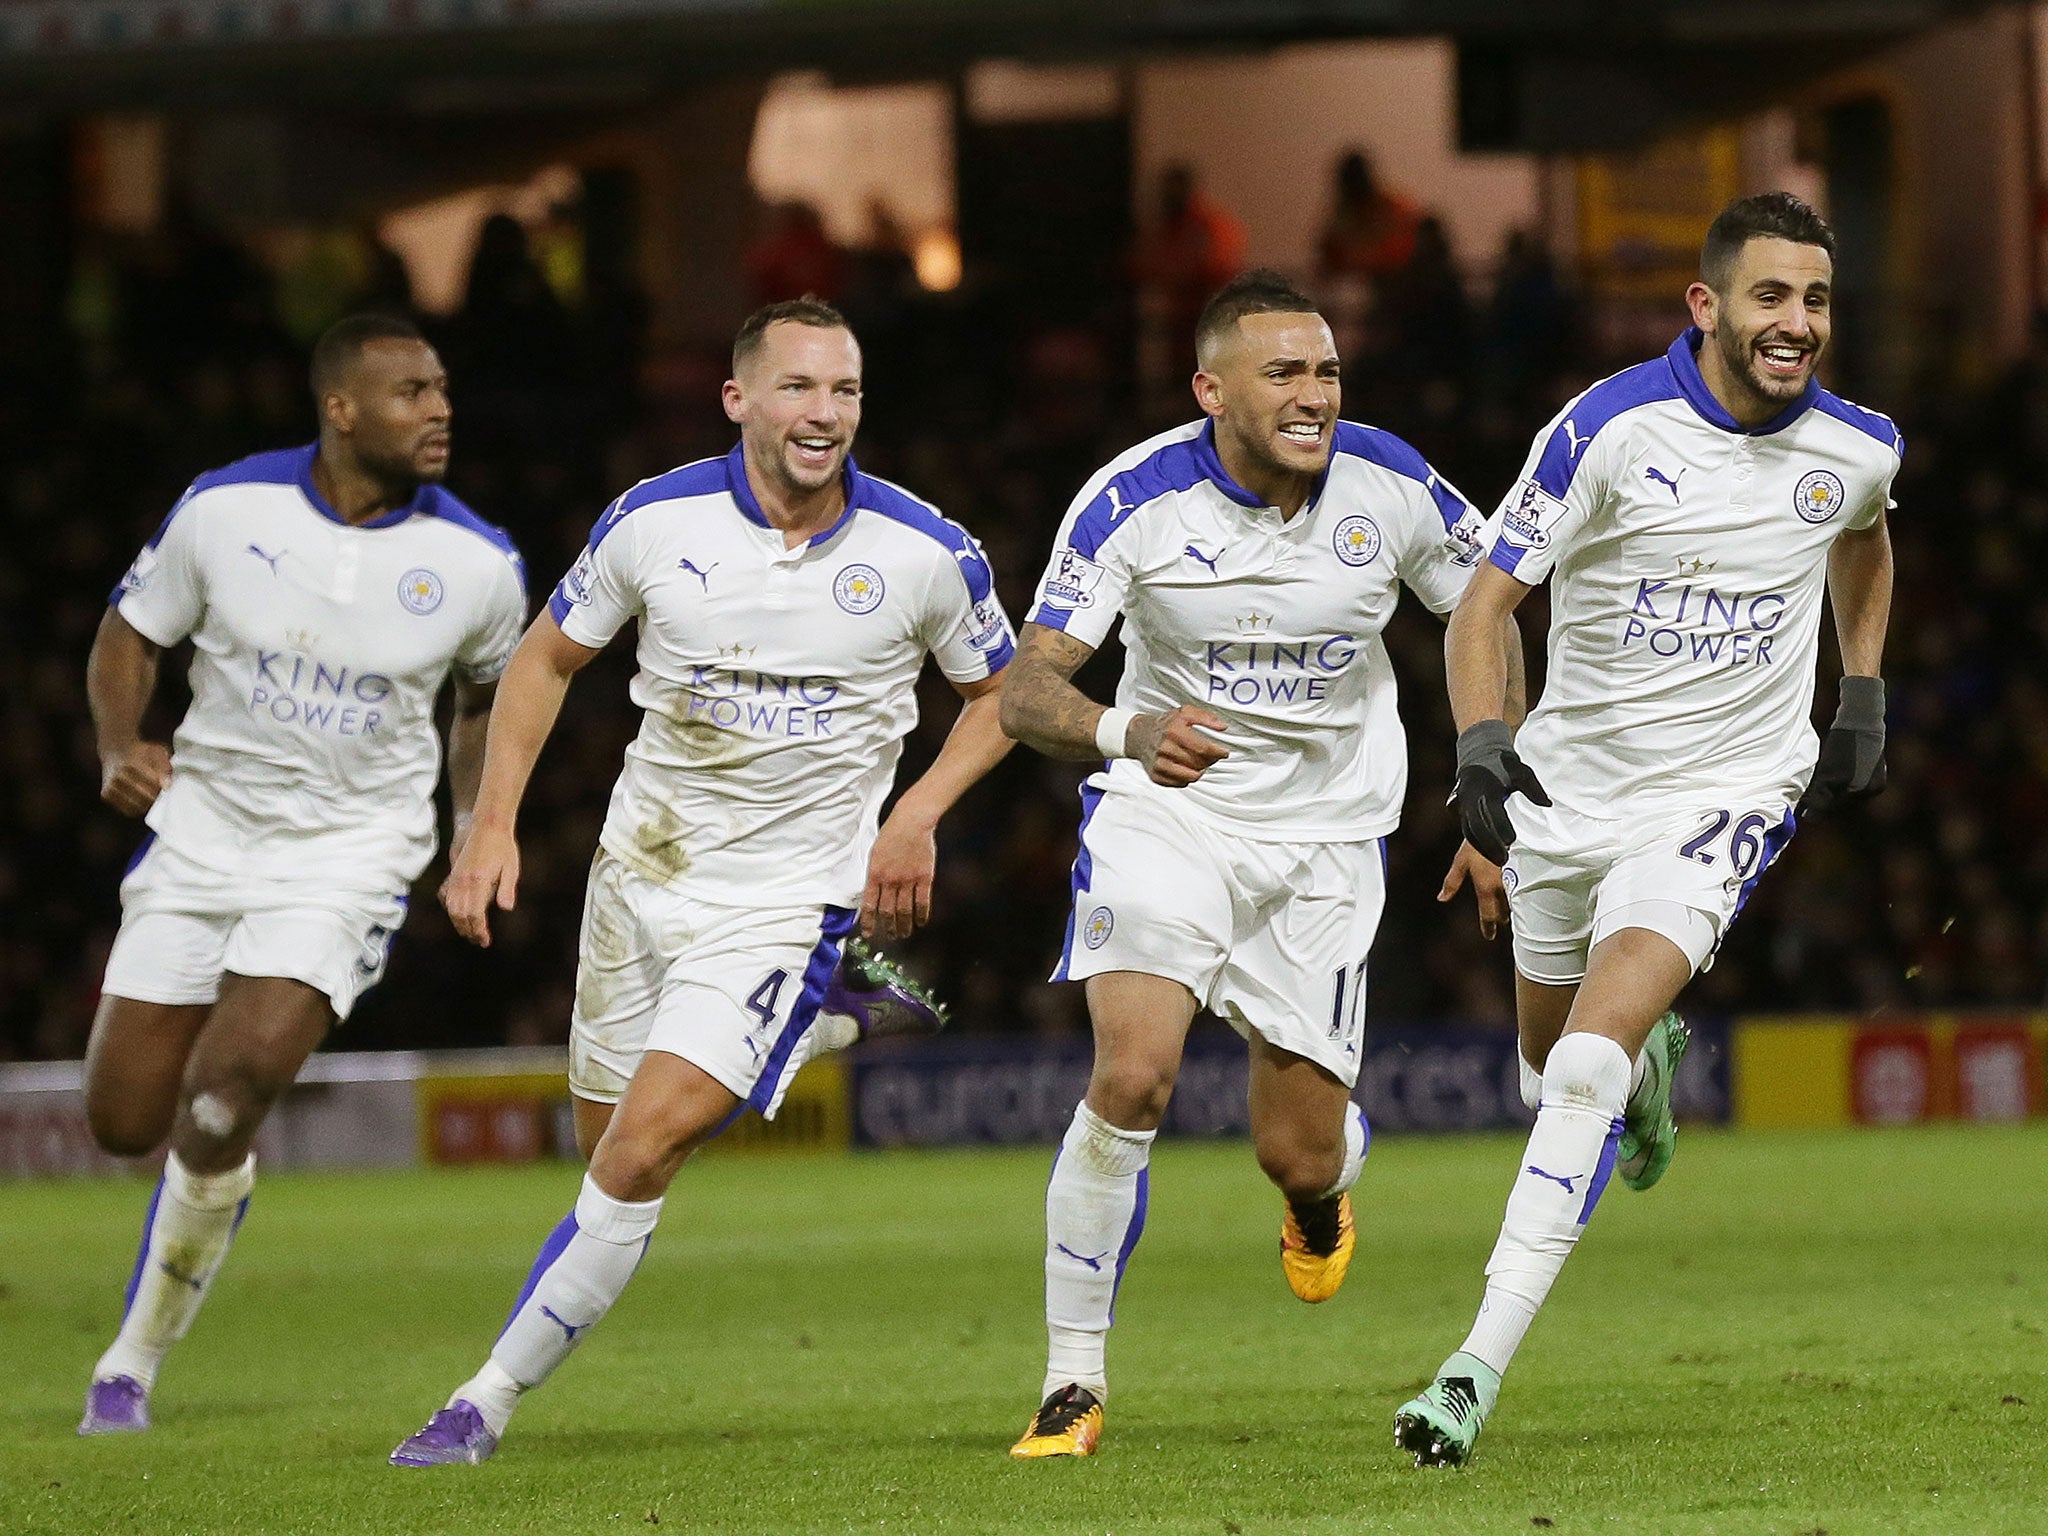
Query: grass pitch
(1792, 1334)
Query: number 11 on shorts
(1347, 1004)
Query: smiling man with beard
(1689, 513)
(1233, 849)
(786, 603)
(329, 592)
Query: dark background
(130, 366)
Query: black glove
(1851, 765)
(1488, 772)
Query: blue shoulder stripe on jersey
(899, 506)
(1644, 384)
(1380, 447)
(705, 477)
(280, 466)
(1178, 466)
(1871, 423)
(1685, 369)
(444, 505)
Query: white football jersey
(1687, 557)
(319, 650)
(1273, 624)
(778, 683)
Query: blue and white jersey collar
(302, 474)
(1685, 368)
(852, 480)
(1210, 463)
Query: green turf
(1839, 1332)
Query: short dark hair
(1768, 215)
(1261, 291)
(808, 310)
(343, 342)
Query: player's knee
(124, 1118)
(1302, 1165)
(219, 1117)
(126, 1130)
(1131, 1094)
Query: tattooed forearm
(1041, 707)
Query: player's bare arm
(466, 736)
(529, 697)
(898, 897)
(1469, 864)
(1043, 709)
(1851, 765)
(1860, 592)
(120, 677)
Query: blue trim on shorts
(1084, 872)
(141, 852)
(838, 923)
(1775, 842)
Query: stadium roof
(85, 54)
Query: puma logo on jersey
(703, 576)
(1118, 507)
(1653, 473)
(1208, 560)
(1573, 442)
(267, 559)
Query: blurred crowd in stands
(182, 351)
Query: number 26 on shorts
(1745, 844)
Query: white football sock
(1569, 1159)
(830, 1032)
(1531, 1079)
(1094, 1211)
(192, 1220)
(1357, 1142)
(580, 1271)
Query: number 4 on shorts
(761, 1001)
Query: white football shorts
(733, 990)
(183, 924)
(1682, 871)
(1270, 937)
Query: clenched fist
(130, 780)
(1174, 748)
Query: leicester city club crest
(1819, 495)
(1357, 540)
(858, 589)
(420, 590)
(1095, 933)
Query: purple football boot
(117, 1406)
(457, 1434)
(880, 998)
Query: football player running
(1688, 513)
(329, 592)
(786, 603)
(1233, 849)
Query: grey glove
(1488, 772)
(1851, 765)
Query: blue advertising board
(1010, 1090)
